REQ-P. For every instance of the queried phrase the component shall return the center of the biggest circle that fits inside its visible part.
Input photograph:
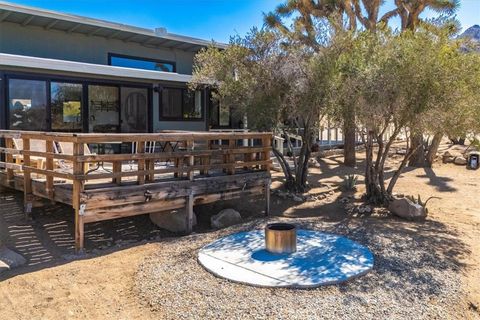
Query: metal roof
(18, 61)
(29, 16)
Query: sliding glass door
(104, 109)
(66, 106)
(27, 100)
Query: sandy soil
(53, 285)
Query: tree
(402, 80)
(269, 81)
(342, 15)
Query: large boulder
(406, 209)
(174, 221)
(460, 160)
(10, 259)
(225, 218)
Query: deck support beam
(267, 197)
(189, 210)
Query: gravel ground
(416, 276)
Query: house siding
(53, 44)
(38, 42)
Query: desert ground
(423, 270)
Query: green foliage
(418, 200)
(350, 182)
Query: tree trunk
(374, 193)
(433, 149)
(349, 141)
(418, 157)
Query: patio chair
(35, 145)
(67, 148)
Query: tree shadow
(440, 183)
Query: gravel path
(416, 276)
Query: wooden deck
(155, 172)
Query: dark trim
(3, 101)
(85, 82)
(111, 54)
(160, 104)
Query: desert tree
(399, 81)
(270, 82)
(343, 16)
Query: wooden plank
(267, 197)
(27, 184)
(49, 167)
(78, 169)
(189, 211)
(9, 158)
(230, 157)
(141, 162)
(168, 190)
(115, 212)
(117, 168)
(191, 161)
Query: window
(104, 109)
(66, 104)
(181, 104)
(27, 104)
(141, 63)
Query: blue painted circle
(321, 259)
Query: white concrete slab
(321, 259)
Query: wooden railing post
(78, 169)
(191, 160)
(9, 159)
(266, 143)
(267, 197)
(231, 156)
(49, 167)
(141, 162)
(189, 211)
(27, 179)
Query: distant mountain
(473, 33)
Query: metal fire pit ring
(281, 238)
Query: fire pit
(281, 238)
(310, 258)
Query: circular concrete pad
(321, 259)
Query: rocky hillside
(473, 33)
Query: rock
(10, 259)
(401, 151)
(297, 198)
(364, 209)
(344, 200)
(174, 221)
(225, 218)
(313, 163)
(460, 160)
(405, 208)
(282, 194)
(448, 159)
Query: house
(67, 73)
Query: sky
(205, 19)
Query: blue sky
(206, 19)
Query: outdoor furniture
(35, 145)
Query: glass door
(66, 106)
(134, 110)
(103, 109)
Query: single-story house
(68, 73)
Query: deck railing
(40, 162)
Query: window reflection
(66, 104)
(27, 104)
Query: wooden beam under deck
(200, 175)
